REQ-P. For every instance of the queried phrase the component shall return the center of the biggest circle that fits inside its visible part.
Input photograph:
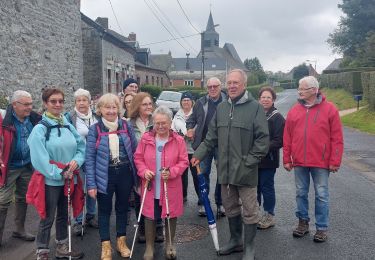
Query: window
(147, 82)
(152, 80)
(117, 82)
(161, 81)
(189, 83)
(109, 81)
(157, 81)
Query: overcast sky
(281, 33)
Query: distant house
(107, 58)
(217, 61)
(334, 66)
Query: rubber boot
(106, 250)
(170, 248)
(3, 216)
(19, 220)
(122, 248)
(250, 231)
(235, 243)
(159, 237)
(150, 229)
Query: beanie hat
(128, 82)
(186, 94)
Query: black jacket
(276, 124)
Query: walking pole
(167, 205)
(139, 215)
(69, 222)
(84, 209)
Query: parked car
(170, 99)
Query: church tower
(211, 37)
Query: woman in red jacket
(161, 156)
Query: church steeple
(211, 37)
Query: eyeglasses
(213, 86)
(303, 89)
(128, 102)
(25, 104)
(55, 101)
(160, 124)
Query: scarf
(82, 116)
(140, 125)
(58, 119)
(114, 143)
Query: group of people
(141, 154)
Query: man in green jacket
(240, 132)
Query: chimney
(103, 21)
(132, 37)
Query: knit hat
(128, 82)
(188, 95)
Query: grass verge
(341, 98)
(363, 120)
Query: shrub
(3, 102)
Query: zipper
(229, 128)
(305, 135)
(324, 152)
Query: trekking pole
(84, 209)
(69, 222)
(147, 186)
(167, 206)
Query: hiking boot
(77, 229)
(320, 236)
(235, 243)
(106, 251)
(201, 211)
(302, 228)
(42, 254)
(266, 221)
(92, 222)
(62, 251)
(122, 248)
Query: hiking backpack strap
(100, 133)
(49, 127)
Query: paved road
(352, 225)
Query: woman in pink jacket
(161, 156)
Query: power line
(176, 30)
(187, 18)
(156, 16)
(118, 24)
(182, 37)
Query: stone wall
(145, 75)
(40, 43)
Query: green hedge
(350, 81)
(3, 102)
(368, 83)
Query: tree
(299, 72)
(354, 27)
(257, 73)
(366, 54)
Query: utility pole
(202, 54)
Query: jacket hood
(319, 99)
(247, 97)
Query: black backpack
(49, 127)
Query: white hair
(311, 81)
(82, 92)
(214, 79)
(163, 110)
(242, 73)
(18, 94)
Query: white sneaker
(202, 211)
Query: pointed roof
(210, 24)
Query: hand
(194, 161)
(288, 167)
(67, 174)
(149, 175)
(190, 134)
(165, 173)
(72, 166)
(333, 168)
(92, 193)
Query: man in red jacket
(15, 161)
(312, 145)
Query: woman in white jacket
(179, 125)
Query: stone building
(108, 58)
(40, 43)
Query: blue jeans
(206, 170)
(320, 178)
(266, 187)
(90, 202)
(120, 182)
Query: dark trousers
(120, 182)
(266, 188)
(194, 174)
(55, 199)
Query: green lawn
(363, 120)
(341, 98)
